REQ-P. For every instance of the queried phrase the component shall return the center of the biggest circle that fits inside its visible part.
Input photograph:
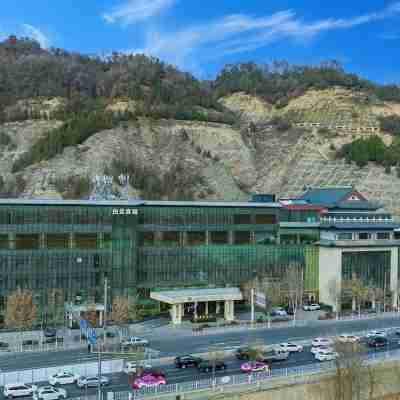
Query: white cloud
(131, 11)
(241, 33)
(37, 34)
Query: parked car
(149, 380)
(290, 347)
(254, 366)
(92, 381)
(377, 341)
(49, 393)
(132, 367)
(208, 366)
(62, 378)
(53, 339)
(134, 341)
(50, 332)
(345, 338)
(30, 342)
(320, 341)
(326, 356)
(278, 311)
(319, 349)
(242, 353)
(187, 361)
(373, 334)
(12, 390)
(311, 307)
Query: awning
(179, 296)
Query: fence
(296, 374)
(42, 374)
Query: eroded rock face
(36, 108)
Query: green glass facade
(69, 247)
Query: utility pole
(105, 309)
(99, 371)
(252, 305)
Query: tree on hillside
(21, 311)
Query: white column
(394, 284)
(174, 312)
(101, 312)
(229, 310)
(195, 310)
(206, 309)
(217, 307)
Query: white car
(279, 311)
(132, 367)
(50, 393)
(373, 334)
(62, 378)
(319, 349)
(311, 307)
(135, 341)
(348, 338)
(92, 381)
(290, 348)
(320, 341)
(326, 356)
(12, 390)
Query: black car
(208, 365)
(30, 342)
(4, 345)
(242, 353)
(50, 332)
(378, 342)
(187, 361)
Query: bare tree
(91, 315)
(294, 282)
(358, 290)
(335, 294)
(120, 313)
(21, 311)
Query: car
(254, 366)
(12, 390)
(50, 332)
(242, 353)
(4, 345)
(187, 361)
(52, 339)
(132, 367)
(148, 380)
(278, 311)
(326, 356)
(30, 342)
(274, 356)
(318, 349)
(373, 334)
(49, 393)
(378, 341)
(290, 347)
(92, 381)
(209, 365)
(62, 378)
(320, 341)
(134, 341)
(311, 307)
(345, 338)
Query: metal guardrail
(245, 379)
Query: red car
(149, 380)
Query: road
(119, 381)
(175, 345)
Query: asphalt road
(176, 345)
(119, 381)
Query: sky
(201, 36)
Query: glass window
(107, 241)
(265, 219)
(86, 240)
(170, 239)
(3, 241)
(58, 241)
(196, 238)
(288, 239)
(242, 237)
(397, 235)
(242, 219)
(364, 236)
(26, 242)
(383, 235)
(345, 236)
(219, 237)
(147, 239)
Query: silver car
(50, 393)
(92, 381)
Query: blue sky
(201, 36)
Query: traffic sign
(91, 335)
(83, 324)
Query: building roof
(137, 203)
(179, 296)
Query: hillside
(250, 130)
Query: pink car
(149, 380)
(254, 366)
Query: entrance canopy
(180, 296)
